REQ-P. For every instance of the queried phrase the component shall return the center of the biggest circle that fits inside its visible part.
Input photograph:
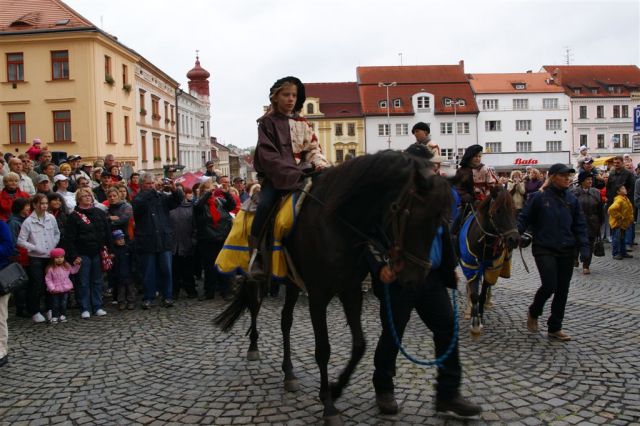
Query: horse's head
(498, 217)
(421, 207)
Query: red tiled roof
(535, 82)
(43, 15)
(336, 99)
(443, 81)
(587, 77)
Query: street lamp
(387, 85)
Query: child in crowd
(58, 283)
(620, 218)
(122, 271)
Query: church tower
(198, 81)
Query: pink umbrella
(188, 179)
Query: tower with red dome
(198, 80)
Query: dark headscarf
(293, 80)
(469, 153)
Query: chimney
(529, 71)
(461, 65)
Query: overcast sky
(248, 44)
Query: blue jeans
(156, 271)
(617, 242)
(59, 304)
(629, 234)
(90, 283)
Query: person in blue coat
(7, 246)
(559, 228)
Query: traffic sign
(636, 119)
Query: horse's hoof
(476, 331)
(291, 385)
(467, 317)
(253, 355)
(334, 420)
(475, 337)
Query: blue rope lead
(438, 362)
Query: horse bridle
(499, 236)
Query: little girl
(58, 283)
(286, 143)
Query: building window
(625, 111)
(446, 128)
(600, 111)
(423, 102)
(173, 149)
(383, 130)
(166, 114)
(554, 124)
(523, 146)
(382, 104)
(625, 140)
(125, 74)
(17, 127)
(143, 145)
(143, 110)
(107, 68)
(339, 155)
(202, 130)
(600, 140)
(523, 125)
(583, 140)
(402, 129)
(352, 153)
(15, 67)
(594, 91)
(338, 129)
(583, 111)
(521, 104)
(447, 101)
(494, 146)
(155, 107)
(173, 117)
(576, 91)
(463, 128)
(351, 129)
(520, 86)
(156, 148)
(616, 140)
(60, 65)
(309, 108)
(167, 148)
(127, 139)
(61, 126)
(489, 104)
(550, 103)
(397, 103)
(616, 111)
(461, 102)
(447, 153)
(109, 127)
(492, 126)
(554, 146)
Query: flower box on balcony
(155, 116)
(143, 112)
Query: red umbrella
(189, 179)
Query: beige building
(156, 117)
(334, 111)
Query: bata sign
(525, 161)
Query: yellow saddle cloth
(234, 256)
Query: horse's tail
(241, 302)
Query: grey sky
(247, 44)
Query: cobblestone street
(172, 366)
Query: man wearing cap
(238, 184)
(76, 169)
(559, 229)
(587, 167)
(25, 184)
(422, 132)
(211, 171)
(43, 185)
(101, 190)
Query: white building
(194, 120)
(522, 116)
(602, 105)
(439, 95)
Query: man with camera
(154, 236)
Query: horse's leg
(318, 311)
(486, 289)
(352, 305)
(476, 325)
(488, 301)
(255, 300)
(286, 319)
(468, 304)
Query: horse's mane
(501, 198)
(373, 178)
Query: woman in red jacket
(9, 194)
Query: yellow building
(65, 81)
(335, 113)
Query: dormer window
(447, 101)
(397, 103)
(519, 86)
(382, 104)
(594, 91)
(461, 102)
(423, 102)
(309, 108)
(611, 89)
(576, 91)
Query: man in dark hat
(559, 229)
(238, 184)
(422, 132)
(210, 170)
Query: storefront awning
(601, 161)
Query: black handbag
(12, 278)
(598, 247)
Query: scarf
(213, 209)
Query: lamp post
(455, 130)
(387, 85)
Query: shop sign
(525, 161)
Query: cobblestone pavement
(172, 366)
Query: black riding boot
(256, 266)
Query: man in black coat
(154, 237)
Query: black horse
(486, 240)
(388, 196)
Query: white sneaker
(38, 318)
(85, 315)
(54, 320)
(63, 318)
(49, 315)
(101, 313)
